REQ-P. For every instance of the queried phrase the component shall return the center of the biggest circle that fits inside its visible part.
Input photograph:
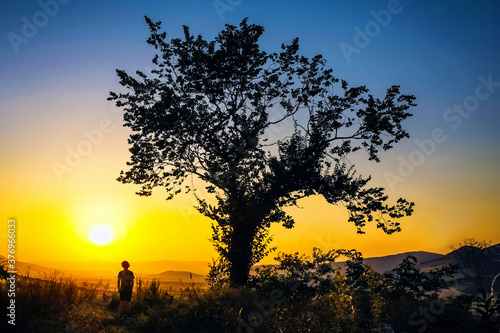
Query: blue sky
(435, 50)
(55, 83)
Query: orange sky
(54, 210)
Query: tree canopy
(211, 109)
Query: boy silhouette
(125, 286)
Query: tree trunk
(240, 253)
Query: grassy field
(297, 299)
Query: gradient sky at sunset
(58, 61)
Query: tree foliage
(3, 271)
(476, 258)
(212, 110)
(356, 290)
(473, 256)
(407, 279)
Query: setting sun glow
(101, 234)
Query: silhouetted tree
(407, 280)
(476, 258)
(473, 256)
(205, 111)
(3, 272)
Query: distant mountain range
(144, 267)
(389, 262)
(180, 272)
(386, 263)
(429, 260)
(492, 266)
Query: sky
(63, 143)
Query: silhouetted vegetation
(475, 258)
(261, 130)
(57, 304)
(300, 294)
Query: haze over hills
(176, 275)
(172, 271)
(166, 268)
(95, 271)
(177, 278)
(386, 263)
(144, 267)
(493, 266)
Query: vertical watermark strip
(12, 271)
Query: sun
(101, 234)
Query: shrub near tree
(315, 295)
(478, 260)
(207, 111)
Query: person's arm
(118, 282)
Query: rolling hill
(386, 263)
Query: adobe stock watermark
(363, 37)
(454, 116)
(31, 26)
(74, 155)
(12, 271)
(421, 319)
(93, 138)
(264, 309)
(222, 6)
(424, 316)
(327, 243)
